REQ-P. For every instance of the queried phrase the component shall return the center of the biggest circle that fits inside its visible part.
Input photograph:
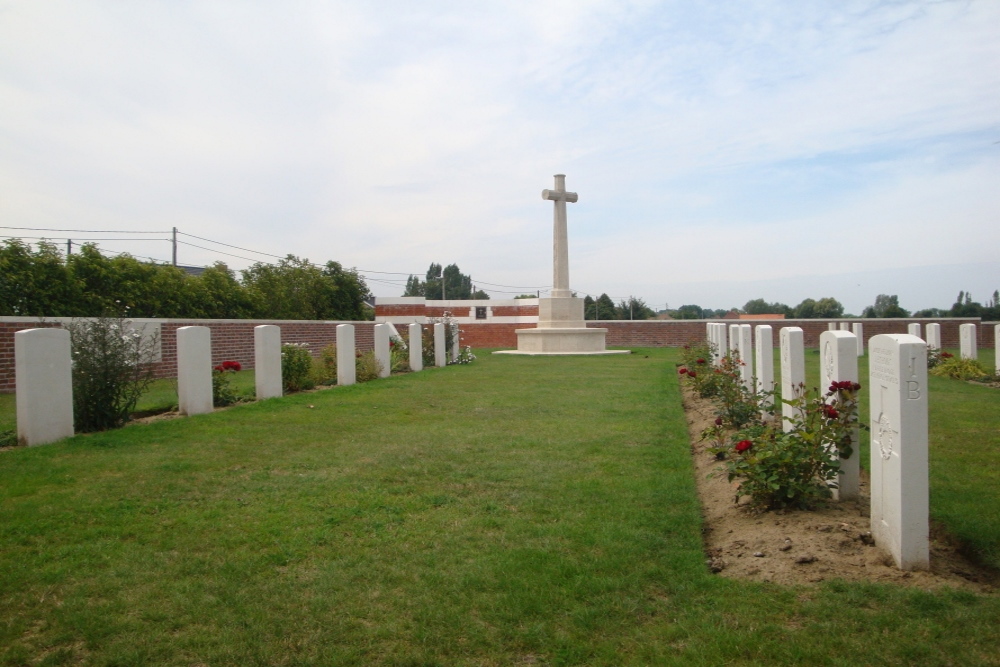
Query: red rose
(718, 421)
(218, 368)
(743, 445)
(231, 365)
(692, 374)
(830, 412)
(701, 361)
(683, 371)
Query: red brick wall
(674, 333)
(399, 310)
(231, 339)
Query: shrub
(223, 393)
(112, 367)
(795, 469)
(961, 369)
(368, 367)
(326, 366)
(296, 367)
(399, 355)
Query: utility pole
(69, 247)
(175, 246)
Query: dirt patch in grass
(799, 547)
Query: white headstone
(194, 370)
(764, 347)
(383, 351)
(934, 336)
(913, 328)
(455, 342)
(859, 331)
(967, 341)
(845, 326)
(899, 467)
(347, 363)
(839, 362)
(416, 347)
(44, 385)
(793, 371)
(996, 347)
(440, 358)
(734, 339)
(267, 360)
(745, 348)
(721, 342)
(831, 326)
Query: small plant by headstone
(368, 366)
(959, 369)
(112, 367)
(296, 367)
(327, 365)
(223, 393)
(399, 355)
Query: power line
(85, 231)
(75, 238)
(227, 245)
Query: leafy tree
(827, 307)
(602, 308)
(634, 309)
(530, 296)
(216, 294)
(690, 312)
(348, 301)
(885, 306)
(761, 307)
(456, 285)
(35, 283)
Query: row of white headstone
(43, 368)
(898, 419)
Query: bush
(961, 369)
(368, 367)
(223, 393)
(399, 356)
(799, 468)
(325, 368)
(112, 367)
(296, 367)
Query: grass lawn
(513, 511)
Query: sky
(721, 151)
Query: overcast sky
(722, 151)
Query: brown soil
(807, 547)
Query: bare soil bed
(807, 547)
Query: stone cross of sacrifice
(560, 245)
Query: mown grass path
(514, 511)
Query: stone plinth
(561, 330)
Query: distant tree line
(886, 305)
(448, 283)
(44, 283)
(603, 308)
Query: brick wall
(674, 333)
(231, 339)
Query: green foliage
(456, 285)
(296, 367)
(367, 367)
(602, 308)
(795, 469)
(961, 369)
(223, 393)
(112, 367)
(696, 366)
(825, 308)
(399, 356)
(689, 312)
(42, 283)
(633, 309)
(762, 307)
(885, 306)
(325, 368)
